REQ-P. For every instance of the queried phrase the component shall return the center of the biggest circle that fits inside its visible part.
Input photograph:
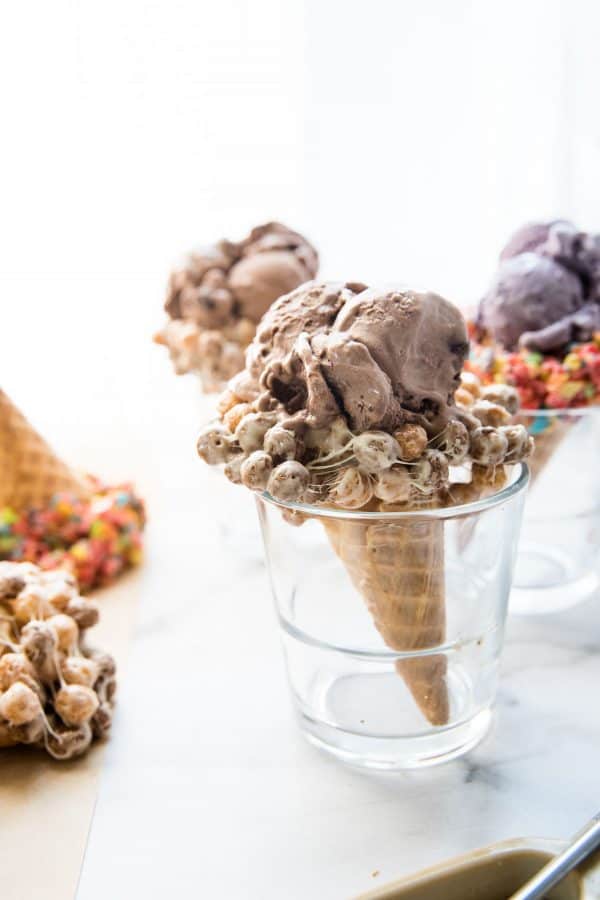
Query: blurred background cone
(30, 472)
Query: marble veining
(209, 790)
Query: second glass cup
(392, 623)
(557, 565)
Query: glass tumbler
(558, 563)
(392, 623)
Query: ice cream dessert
(215, 300)
(349, 400)
(55, 691)
(538, 325)
(51, 516)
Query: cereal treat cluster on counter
(96, 537)
(218, 296)
(56, 692)
(356, 398)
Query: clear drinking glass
(392, 623)
(558, 563)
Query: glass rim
(572, 411)
(515, 487)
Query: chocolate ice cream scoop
(233, 280)
(379, 358)
(529, 292)
(417, 339)
(216, 299)
(259, 278)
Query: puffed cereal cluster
(335, 467)
(56, 692)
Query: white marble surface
(165, 125)
(210, 789)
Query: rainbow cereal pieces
(95, 538)
(543, 381)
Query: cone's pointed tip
(433, 704)
(426, 681)
(437, 713)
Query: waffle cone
(30, 473)
(398, 567)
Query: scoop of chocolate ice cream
(260, 278)
(233, 280)
(529, 292)
(378, 358)
(199, 271)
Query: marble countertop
(208, 787)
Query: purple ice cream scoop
(529, 292)
(578, 251)
(530, 238)
(546, 291)
(580, 326)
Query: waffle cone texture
(398, 568)
(30, 472)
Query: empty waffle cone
(30, 472)
(398, 567)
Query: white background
(407, 140)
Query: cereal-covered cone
(398, 567)
(30, 473)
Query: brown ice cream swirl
(217, 298)
(355, 398)
(377, 357)
(231, 280)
